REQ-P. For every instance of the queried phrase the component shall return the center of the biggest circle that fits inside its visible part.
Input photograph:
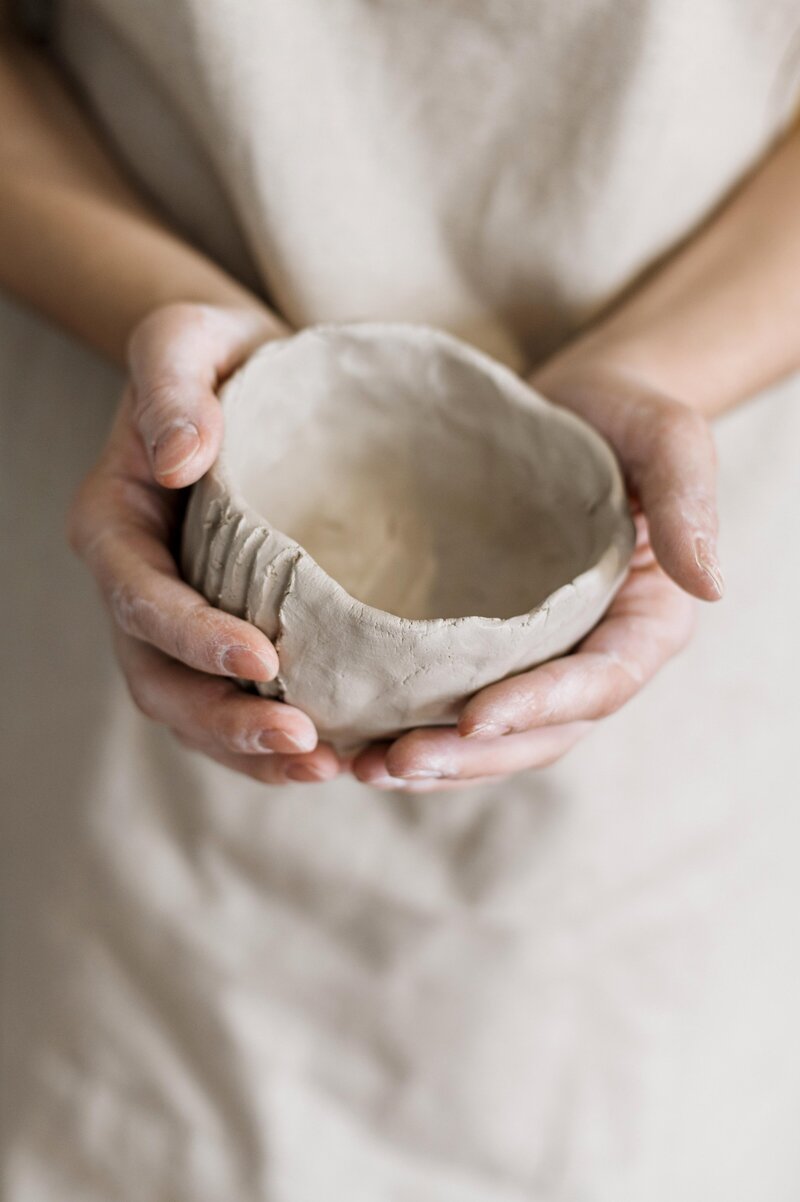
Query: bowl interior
(414, 478)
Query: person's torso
(499, 168)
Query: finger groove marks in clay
(280, 683)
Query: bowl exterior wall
(361, 674)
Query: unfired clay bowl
(407, 522)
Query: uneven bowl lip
(609, 564)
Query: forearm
(76, 241)
(720, 319)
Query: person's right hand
(177, 652)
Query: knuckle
(626, 678)
(541, 704)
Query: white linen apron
(577, 985)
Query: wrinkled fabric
(499, 168)
(578, 984)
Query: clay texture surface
(406, 520)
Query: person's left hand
(181, 656)
(530, 720)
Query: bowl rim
(611, 564)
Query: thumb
(178, 355)
(180, 422)
(671, 463)
(667, 453)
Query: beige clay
(406, 520)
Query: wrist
(634, 359)
(199, 340)
(242, 315)
(180, 279)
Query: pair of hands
(180, 655)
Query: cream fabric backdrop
(579, 984)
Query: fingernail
(248, 664)
(176, 447)
(421, 774)
(386, 782)
(306, 773)
(707, 560)
(486, 730)
(281, 740)
(395, 783)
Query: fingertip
(298, 726)
(409, 755)
(684, 543)
(711, 580)
(248, 664)
(309, 774)
(287, 741)
(703, 589)
(317, 767)
(469, 727)
(694, 568)
(369, 765)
